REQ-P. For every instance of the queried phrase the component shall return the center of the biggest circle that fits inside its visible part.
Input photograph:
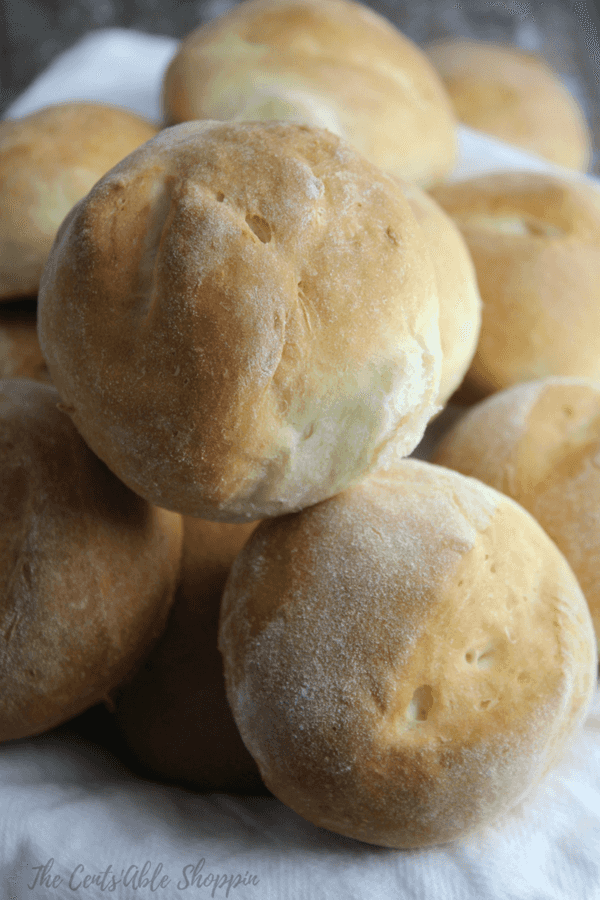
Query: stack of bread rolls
(336, 65)
(253, 316)
(48, 161)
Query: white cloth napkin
(111, 66)
(74, 823)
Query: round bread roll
(242, 319)
(174, 713)
(48, 161)
(460, 303)
(535, 243)
(540, 443)
(514, 96)
(88, 569)
(20, 351)
(337, 65)
(406, 660)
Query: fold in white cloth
(68, 810)
(75, 823)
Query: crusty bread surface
(515, 96)
(49, 160)
(88, 570)
(540, 444)
(406, 660)
(338, 65)
(242, 319)
(535, 243)
(458, 294)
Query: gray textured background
(33, 32)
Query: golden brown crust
(535, 243)
(405, 660)
(460, 303)
(337, 65)
(20, 351)
(88, 570)
(49, 160)
(540, 444)
(242, 318)
(514, 96)
(174, 713)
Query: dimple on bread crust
(405, 660)
(242, 319)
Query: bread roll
(540, 443)
(535, 243)
(88, 570)
(337, 65)
(174, 714)
(242, 319)
(20, 351)
(48, 161)
(514, 96)
(406, 660)
(460, 303)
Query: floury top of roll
(242, 319)
(337, 65)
